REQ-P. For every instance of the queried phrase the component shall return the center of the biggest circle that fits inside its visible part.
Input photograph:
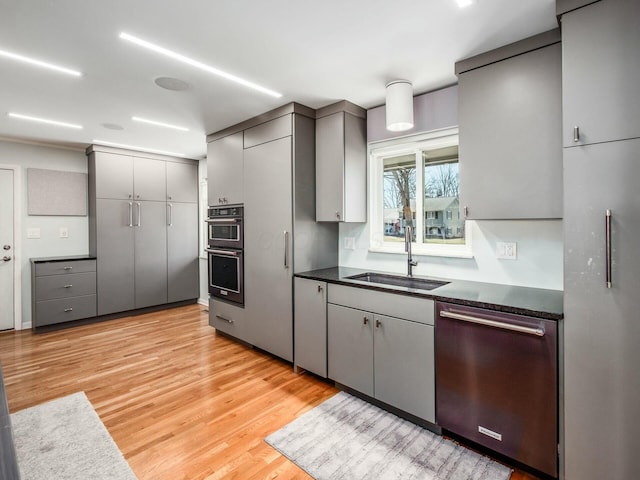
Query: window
(415, 182)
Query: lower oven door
(226, 270)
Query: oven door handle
(222, 220)
(227, 253)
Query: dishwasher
(497, 383)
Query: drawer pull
(228, 320)
(68, 286)
(67, 268)
(68, 309)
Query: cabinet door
(182, 251)
(182, 182)
(600, 72)
(601, 328)
(113, 175)
(310, 325)
(150, 179)
(404, 365)
(225, 170)
(268, 264)
(350, 347)
(150, 253)
(115, 256)
(511, 137)
(330, 168)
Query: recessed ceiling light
(134, 147)
(159, 124)
(44, 120)
(465, 3)
(112, 126)
(39, 63)
(174, 84)
(197, 64)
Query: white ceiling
(313, 52)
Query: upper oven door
(225, 232)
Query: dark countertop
(534, 302)
(62, 259)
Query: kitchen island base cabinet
(384, 357)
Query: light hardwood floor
(180, 401)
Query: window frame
(413, 144)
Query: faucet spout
(408, 237)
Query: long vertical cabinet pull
(608, 245)
(576, 134)
(139, 224)
(131, 214)
(170, 215)
(286, 249)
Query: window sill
(425, 252)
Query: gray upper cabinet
(510, 131)
(310, 333)
(182, 182)
(341, 164)
(603, 103)
(225, 170)
(149, 179)
(113, 175)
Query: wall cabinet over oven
(225, 170)
(142, 230)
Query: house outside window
(415, 181)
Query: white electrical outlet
(506, 250)
(33, 233)
(349, 243)
(64, 232)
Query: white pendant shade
(399, 105)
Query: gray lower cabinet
(225, 170)
(229, 319)
(63, 290)
(310, 325)
(601, 328)
(268, 268)
(182, 251)
(150, 253)
(385, 357)
(510, 131)
(600, 72)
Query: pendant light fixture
(399, 105)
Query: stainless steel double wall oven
(225, 236)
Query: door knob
(6, 258)
(7, 247)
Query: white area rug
(346, 438)
(65, 440)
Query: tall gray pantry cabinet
(281, 236)
(601, 118)
(142, 228)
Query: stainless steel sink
(398, 280)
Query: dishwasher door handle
(538, 332)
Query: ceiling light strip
(197, 64)
(44, 120)
(134, 147)
(159, 124)
(40, 63)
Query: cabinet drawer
(66, 267)
(64, 310)
(391, 304)
(227, 318)
(50, 287)
(268, 131)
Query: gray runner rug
(65, 440)
(346, 438)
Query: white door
(6, 250)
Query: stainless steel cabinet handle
(67, 268)
(465, 211)
(68, 286)
(378, 323)
(286, 249)
(538, 332)
(7, 247)
(130, 213)
(68, 309)
(139, 224)
(6, 258)
(337, 215)
(320, 288)
(228, 320)
(365, 321)
(576, 134)
(607, 228)
(170, 214)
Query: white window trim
(407, 145)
